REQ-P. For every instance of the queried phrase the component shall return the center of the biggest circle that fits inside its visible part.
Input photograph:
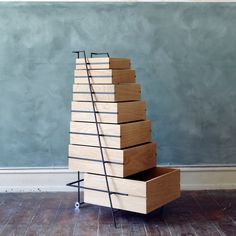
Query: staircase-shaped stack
(129, 153)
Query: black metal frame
(77, 183)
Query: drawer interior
(150, 174)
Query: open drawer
(142, 192)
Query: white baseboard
(52, 180)
(208, 178)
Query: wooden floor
(195, 213)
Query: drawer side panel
(144, 157)
(162, 190)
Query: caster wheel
(77, 205)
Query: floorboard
(200, 213)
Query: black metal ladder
(73, 184)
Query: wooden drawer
(124, 162)
(112, 135)
(107, 93)
(103, 63)
(105, 76)
(146, 191)
(109, 112)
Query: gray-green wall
(184, 55)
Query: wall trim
(120, 1)
(52, 180)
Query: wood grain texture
(99, 106)
(93, 153)
(101, 88)
(131, 134)
(158, 186)
(207, 213)
(219, 216)
(101, 117)
(90, 128)
(131, 111)
(107, 93)
(139, 158)
(120, 185)
(96, 167)
(92, 60)
(163, 189)
(103, 63)
(105, 76)
(144, 157)
(96, 97)
(129, 203)
(135, 133)
(109, 112)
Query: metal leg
(77, 204)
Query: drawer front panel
(108, 93)
(93, 153)
(126, 186)
(105, 76)
(90, 128)
(101, 117)
(126, 130)
(99, 106)
(107, 141)
(128, 203)
(122, 90)
(109, 112)
(87, 159)
(96, 97)
(105, 97)
(102, 88)
(95, 80)
(130, 135)
(103, 63)
(96, 167)
(92, 140)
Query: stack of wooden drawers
(125, 136)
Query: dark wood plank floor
(195, 213)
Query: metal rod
(95, 189)
(78, 187)
(99, 138)
(78, 53)
(100, 53)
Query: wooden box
(109, 112)
(124, 162)
(146, 191)
(105, 76)
(107, 92)
(112, 135)
(103, 63)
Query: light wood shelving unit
(110, 140)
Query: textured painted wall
(184, 55)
